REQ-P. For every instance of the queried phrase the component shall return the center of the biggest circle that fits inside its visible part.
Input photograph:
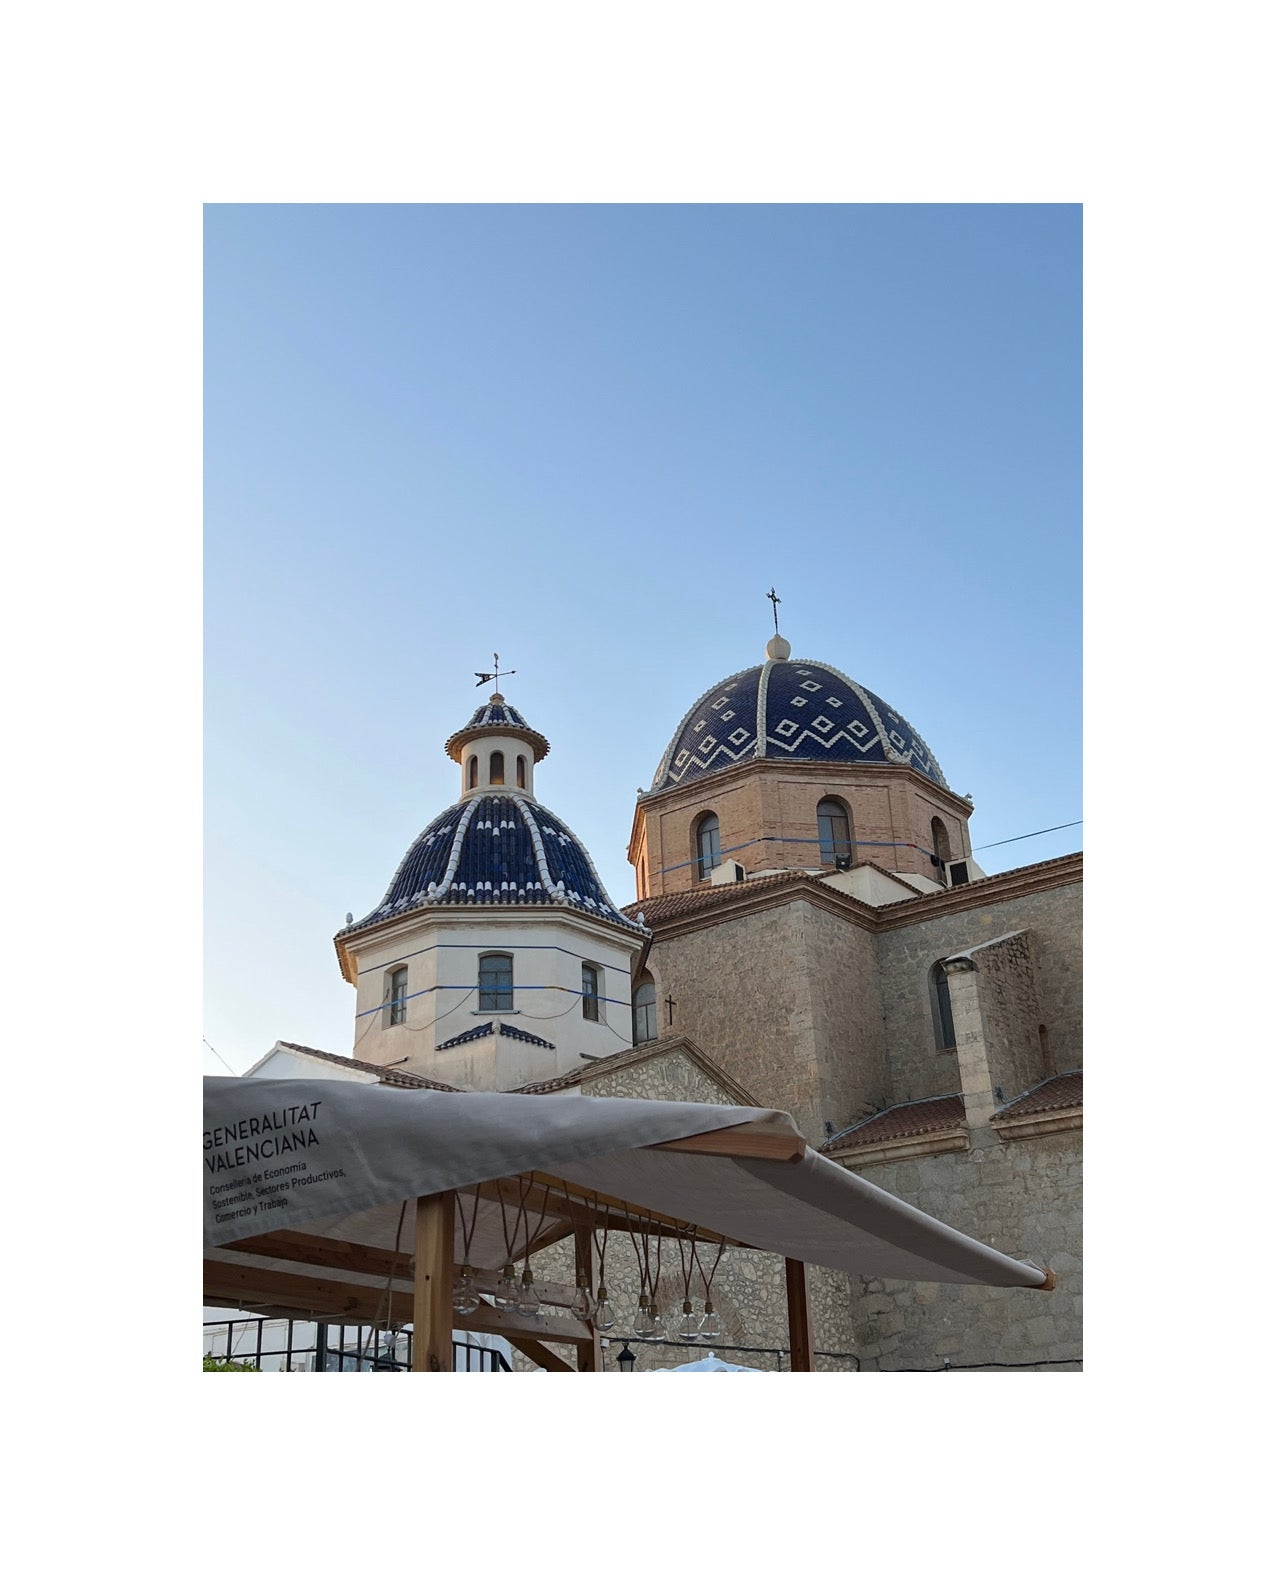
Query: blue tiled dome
(791, 710)
(497, 849)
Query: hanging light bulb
(581, 1306)
(686, 1322)
(711, 1324)
(655, 1320)
(527, 1299)
(466, 1298)
(642, 1318)
(506, 1293)
(603, 1310)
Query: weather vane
(487, 677)
(775, 602)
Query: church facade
(811, 933)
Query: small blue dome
(497, 850)
(789, 710)
(496, 715)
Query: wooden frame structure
(332, 1287)
(396, 1188)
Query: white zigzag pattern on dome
(666, 763)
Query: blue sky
(592, 438)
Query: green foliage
(211, 1364)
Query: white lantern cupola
(497, 750)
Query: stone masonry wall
(1010, 1013)
(847, 1016)
(1025, 1199)
(672, 1076)
(743, 993)
(1052, 919)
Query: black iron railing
(281, 1344)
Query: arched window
(590, 988)
(644, 1010)
(497, 768)
(521, 771)
(835, 832)
(942, 1015)
(495, 981)
(708, 845)
(398, 986)
(472, 772)
(940, 845)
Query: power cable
(217, 1055)
(1028, 834)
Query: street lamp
(626, 1359)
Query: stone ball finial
(777, 648)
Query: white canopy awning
(334, 1161)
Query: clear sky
(591, 439)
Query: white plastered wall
(440, 950)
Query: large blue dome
(789, 710)
(497, 849)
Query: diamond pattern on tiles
(794, 697)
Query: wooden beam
(487, 1281)
(296, 1294)
(800, 1340)
(290, 1245)
(434, 1282)
(511, 1324)
(534, 1350)
(589, 1356)
(739, 1141)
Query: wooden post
(589, 1357)
(434, 1282)
(800, 1348)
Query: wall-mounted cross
(775, 602)
(670, 1002)
(488, 677)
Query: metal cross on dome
(775, 602)
(488, 677)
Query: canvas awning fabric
(338, 1160)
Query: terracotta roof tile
(927, 1117)
(386, 1074)
(1058, 1092)
(679, 901)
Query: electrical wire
(1028, 834)
(217, 1055)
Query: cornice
(897, 1150)
(839, 772)
(1046, 1123)
(437, 916)
(747, 901)
(743, 899)
(1025, 881)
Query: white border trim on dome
(558, 894)
(760, 741)
(465, 819)
(537, 840)
(667, 758)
